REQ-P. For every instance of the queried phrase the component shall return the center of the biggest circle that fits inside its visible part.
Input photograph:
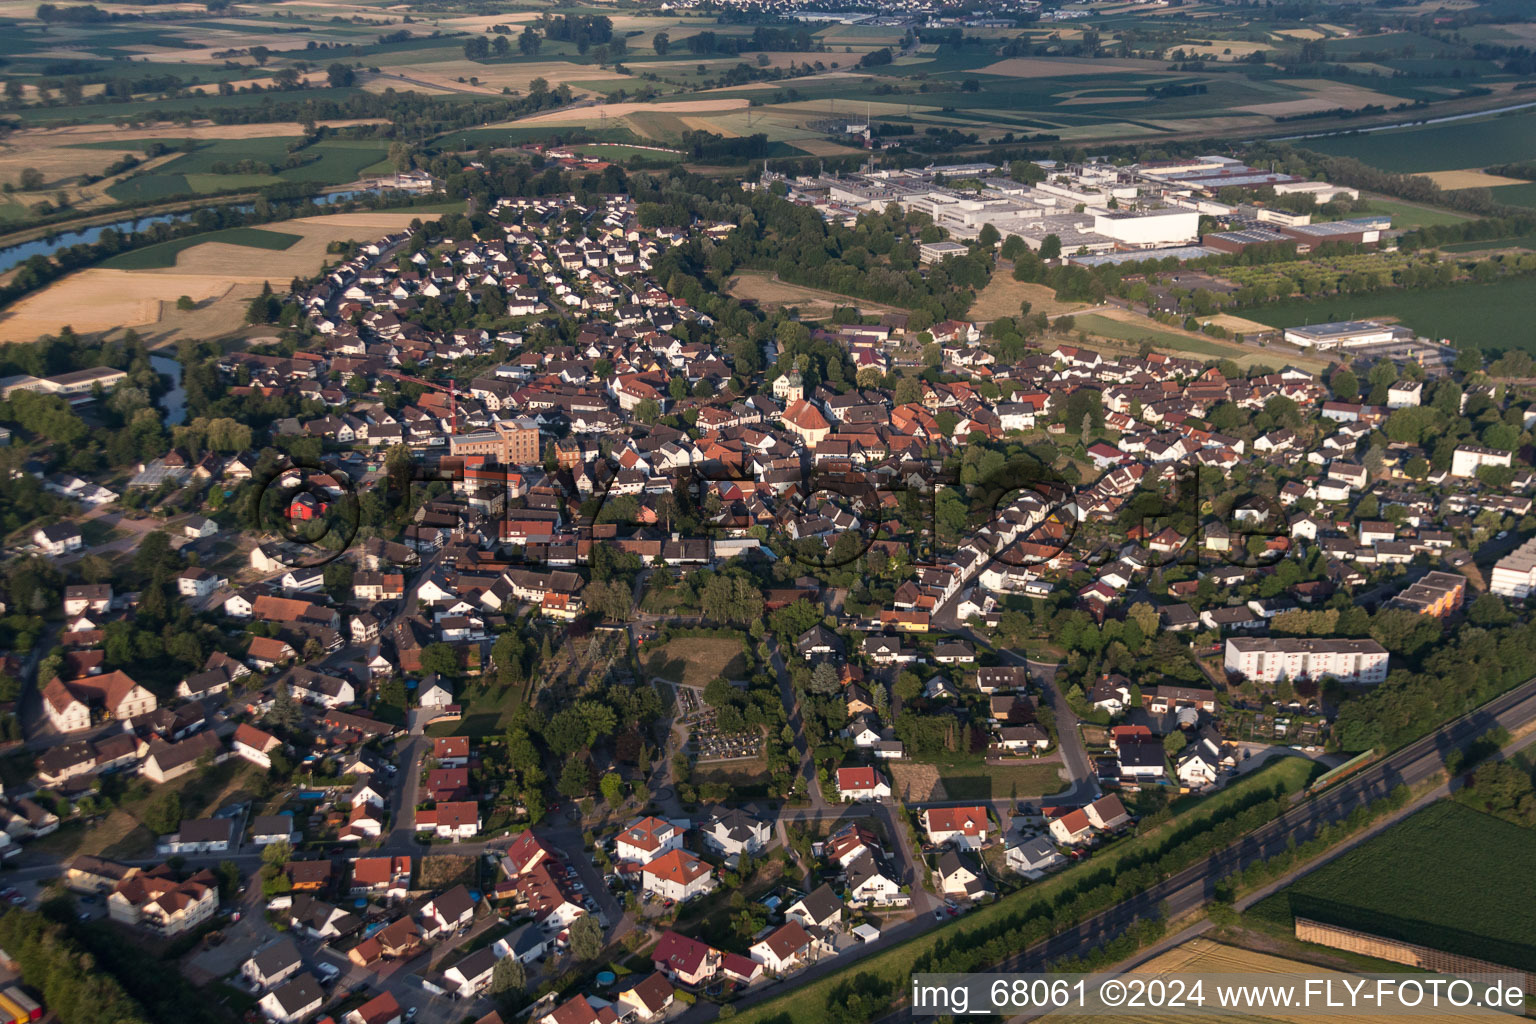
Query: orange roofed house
(155, 901)
(70, 706)
(677, 875)
(964, 826)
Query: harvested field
(1053, 67)
(1471, 177)
(1298, 33)
(1003, 296)
(768, 290)
(86, 134)
(493, 77)
(1218, 49)
(214, 273)
(917, 782)
(1238, 325)
(705, 124)
(1324, 95)
(1202, 956)
(822, 147)
(594, 114)
(100, 300)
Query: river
(174, 401)
(13, 256)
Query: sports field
(1448, 877)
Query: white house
(646, 839)
(677, 875)
(58, 539)
(786, 948)
(447, 911)
(861, 784)
(274, 964)
(869, 884)
(435, 692)
(966, 826)
(734, 832)
(1032, 858)
(294, 1001)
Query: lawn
(486, 712)
(981, 781)
(163, 254)
(1103, 326)
(697, 660)
(1438, 879)
(895, 965)
(1412, 215)
(1503, 319)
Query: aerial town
(610, 589)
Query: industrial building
(1340, 334)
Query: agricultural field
(1458, 145)
(157, 257)
(1131, 329)
(1377, 887)
(217, 271)
(1503, 319)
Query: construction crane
(452, 389)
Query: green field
(1135, 333)
(328, 162)
(1412, 215)
(1438, 147)
(1516, 195)
(1519, 242)
(1448, 877)
(976, 781)
(1502, 321)
(895, 965)
(163, 254)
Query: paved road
(1195, 885)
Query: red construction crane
(453, 395)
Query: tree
(340, 76)
(260, 54)
(162, 815)
(575, 779)
(661, 42)
(586, 938)
(824, 679)
(647, 410)
(611, 785)
(528, 45)
(1050, 247)
(1174, 742)
(989, 236)
(31, 179)
(508, 976)
(185, 303)
(1346, 386)
(440, 658)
